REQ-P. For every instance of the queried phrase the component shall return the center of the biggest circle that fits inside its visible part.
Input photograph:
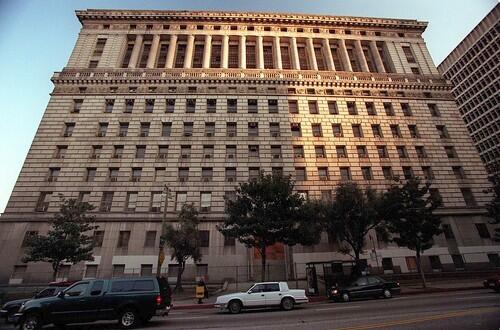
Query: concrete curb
(322, 298)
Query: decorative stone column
(376, 57)
(153, 52)
(188, 59)
(328, 54)
(243, 52)
(171, 51)
(312, 55)
(207, 49)
(260, 53)
(344, 55)
(295, 54)
(134, 57)
(225, 51)
(277, 53)
(361, 56)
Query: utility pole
(161, 251)
(374, 250)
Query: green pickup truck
(128, 300)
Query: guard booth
(325, 274)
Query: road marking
(477, 297)
(336, 308)
(422, 319)
(187, 317)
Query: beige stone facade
(474, 70)
(203, 100)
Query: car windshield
(251, 286)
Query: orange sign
(273, 252)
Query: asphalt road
(478, 309)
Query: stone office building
(201, 101)
(473, 68)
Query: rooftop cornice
(247, 17)
(352, 79)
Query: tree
(410, 219)
(493, 207)
(184, 240)
(351, 215)
(66, 241)
(267, 211)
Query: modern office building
(473, 68)
(201, 101)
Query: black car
(492, 283)
(11, 307)
(128, 300)
(363, 287)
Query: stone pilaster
(277, 53)
(310, 53)
(188, 59)
(207, 51)
(361, 56)
(225, 51)
(260, 53)
(153, 53)
(243, 52)
(171, 51)
(344, 55)
(376, 57)
(136, 51)
(295, 53)
(328, 54)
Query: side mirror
(60, 294)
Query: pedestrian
(201, 291)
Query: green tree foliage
(410, 219)
(267, 211)
(351, 215)
(493, 206)
(184, 240)
(67, 241)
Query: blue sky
(36, 39)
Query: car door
(273, 294)
(376, 286)
(359, 287)
(70, 305)
(256, 296)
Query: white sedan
(266, 294)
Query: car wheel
(128, 318)
(287, 304)
(387, 293)
(31, 322)
(234, 307)
(345, 297)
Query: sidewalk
(186, 300)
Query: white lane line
(187, 317)
(336, 308)
(477, 297)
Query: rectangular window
(27, 236)
(396, 132)
(414, 131)
(140, 151)
(298, 151)
(166, 129)
(169, 105)
(293, 106)
(205, 201)
(332, 108)
(482, 230)
(98, 238)
(113, 174)
(300, 174)
(389, 110)
(421, 153)
(144, 130)
(313, 107)
(362, 152)
(494, 259)
(286, 62)
(183, 174)
(405, 107)
(459, 173)
(407, 172)
(367, 173)
(337, 130)
(274, 129)
(180, 200)
(185, 152)
(252, 106)
(323, 173)
(207, 174)
(118, 270)
(253, 129)
(68, 129)
(150, 239)
(232, 105)
(351, 108)
(211, 105)
(109, 105)
(410, 58)
(295, 128)
(106, 201)
(402, 153)
(320, 151)
(136, 174)
(377, 131)
(272, 106)
(231, 129)
(180, 55)
(316, 130)
(131, 203)
(442, 131)
(198, 55)
(233, 57)
(387, 172)
(345, 173)
(118, 151)
(450, 152)
(357, 131)
(123, 239)
(188, 129)
(382, 152)
(370, 108)
(433, 109)
(209, 129)
(129, 105)
(90, 174)
(468, 197)
(204, 237)
(77, 105)
(215, 56)
(149, 105)
(428, 173)
(190, 105)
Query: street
(476, 309)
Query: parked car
(492, 283)
(11, 307)
(260, 295)
(365, 286)
(128, 300)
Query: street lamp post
(161, 252)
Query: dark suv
(128, 300)
(11, 307)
